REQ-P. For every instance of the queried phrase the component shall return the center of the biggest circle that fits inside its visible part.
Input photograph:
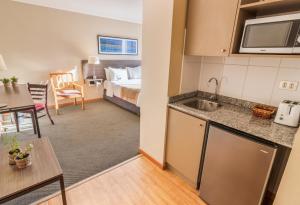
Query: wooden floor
(137, 181)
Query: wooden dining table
(18, 99)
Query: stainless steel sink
(204, 105)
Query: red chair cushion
(39, 106)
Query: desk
(18, 99)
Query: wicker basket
(23, 163)
(263, 111)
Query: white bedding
(113, 88)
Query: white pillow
(134, 73)
(107, 73)
(118, 74)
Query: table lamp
(2, 64)
(94, 60)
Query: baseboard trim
(72, 103)
(154, 161)
(178, 173)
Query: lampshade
(2, 63)
(94, 60)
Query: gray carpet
(87, 142)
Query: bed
(122, 92)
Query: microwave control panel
(296, 30)
(297, 43)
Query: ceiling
(125, 10)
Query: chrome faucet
(215, 96)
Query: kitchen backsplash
(254, 79)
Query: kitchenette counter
(241, 118)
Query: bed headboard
(88, 70)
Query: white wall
(157, 27)
(35, 41)
(289, 189)
(125, 10)
(251, 78)
(190, 74)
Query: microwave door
(272, 37)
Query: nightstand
(94, 82)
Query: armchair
(64, 87)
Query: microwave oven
(274, 35)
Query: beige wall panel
(157, 28)
(177, 47)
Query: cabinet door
(210, 26)
(184, 144)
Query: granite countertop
(241, 118)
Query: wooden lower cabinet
(185, 135)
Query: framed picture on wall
(117, 46)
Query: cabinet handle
(223, 50)
(201, 125)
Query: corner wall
(157, 28)
(289, 189)
(190, 74)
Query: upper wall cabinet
(210, 25)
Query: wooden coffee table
(45, 169)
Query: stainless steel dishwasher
(236, 169)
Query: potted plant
(14, 81)
(5, 82)
(23, 158)
(14, 148)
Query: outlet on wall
(288, 85)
